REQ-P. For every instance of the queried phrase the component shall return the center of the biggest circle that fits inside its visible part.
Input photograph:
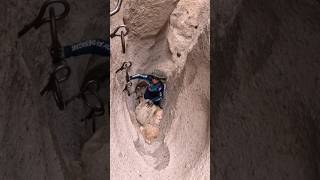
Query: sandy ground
(174, 37)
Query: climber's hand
(149, 104)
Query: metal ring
(127, 64)
(123, 43)
(61, 68)
(55, 44)
(94, 107)
(39, 20)
(89, 84)
(114, 33)
(118, 6)
(57, 95)
(66, 11)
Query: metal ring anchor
(125, 65)
(96, 107)
(57, 95)
(123, 43)
(114, 33)
(122, 35)
(57, 61)
(39, 20)
(61, 71)
(118, 6)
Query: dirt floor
(171, 36)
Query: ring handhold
(62, 68)
(39, 20)
(114, 33)
(123, 43)
(118, 6)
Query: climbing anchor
(90, 89)
(122, 35)
(126, 66)
(39, 20)
(61, 71)
(118, 6)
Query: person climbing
(155, 87)
(93, 46)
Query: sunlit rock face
(173, 37)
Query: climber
(95, 46)
(155, 88)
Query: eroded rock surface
(266, 90)
(37, 140)
(172, 37)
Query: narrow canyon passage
(173, 37)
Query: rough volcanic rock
(173, 39)
(266, 90)
(37, 140)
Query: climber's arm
(95, 46)
(140, 76)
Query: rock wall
(265, 90)
(37, 141)
(171, 36)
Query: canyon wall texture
(266, 90)
(172, 37)
(37, 140)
